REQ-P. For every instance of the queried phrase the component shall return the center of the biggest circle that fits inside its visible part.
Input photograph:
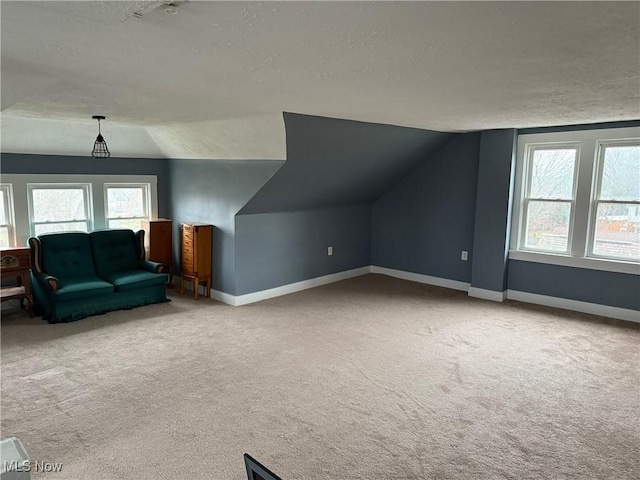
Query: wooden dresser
(196, 256)
(158, 242)
(16, 262)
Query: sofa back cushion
(66, 255)
(114, 251)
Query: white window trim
(526, 199)
(19, 184)
(146, 189)
(86, 191)
(9, 212)
(597, 186)
(581, 218)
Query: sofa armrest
(50, 282)
(149, 266)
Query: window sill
(577, 262)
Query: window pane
(618, 231)
(548, 226)
(552, 173)
(61, 227)
(3, 207)
(621, 173)
(4, 237)
(125, 202)
(130, 224)
(58, 204)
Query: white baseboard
(417, 277)
(248, 298)
(557, 302)
(575, 305)
(298, 286)
(224, 297)
(487, 294)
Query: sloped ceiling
(337, 162)
(211, 79)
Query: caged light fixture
(100, 149)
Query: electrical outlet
(330, 251)
(465, 255)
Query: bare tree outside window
(617, 218)
(548, 202)
(127, 206)
(61, 209)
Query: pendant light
(100, 149)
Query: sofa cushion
(81, 287)
(133, 279)
(114, 251)
(66, 255)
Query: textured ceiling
(212, 79)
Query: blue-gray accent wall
(423, 223)
(322, 197)
(276, 249)
(594, 286)
(213, 191)
(69, 165)
(334, 162)
(586, 285)
(496, 167)
(399, 198)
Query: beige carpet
(370, 378)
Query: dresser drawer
(187, 249)
(188, 269)
(188, 264)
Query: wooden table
(16, 262)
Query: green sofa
(75, 275)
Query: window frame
(87, 196)
(6, 190)
(146, 195)
(596, 196)
(582, 227)
(18, 182)
(526, 195)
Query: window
(59, 208)
(616, 226)
(577, 199)
(549, 198)
(49, 203)
(7, 238)
(126, 205)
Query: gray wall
(68, 165)
(426, 217)
(321, 197)
(423, 223)
(496, 167)
(275, 249)
(212, 191)
(593, 286)
(452, 203)
(341, 162)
